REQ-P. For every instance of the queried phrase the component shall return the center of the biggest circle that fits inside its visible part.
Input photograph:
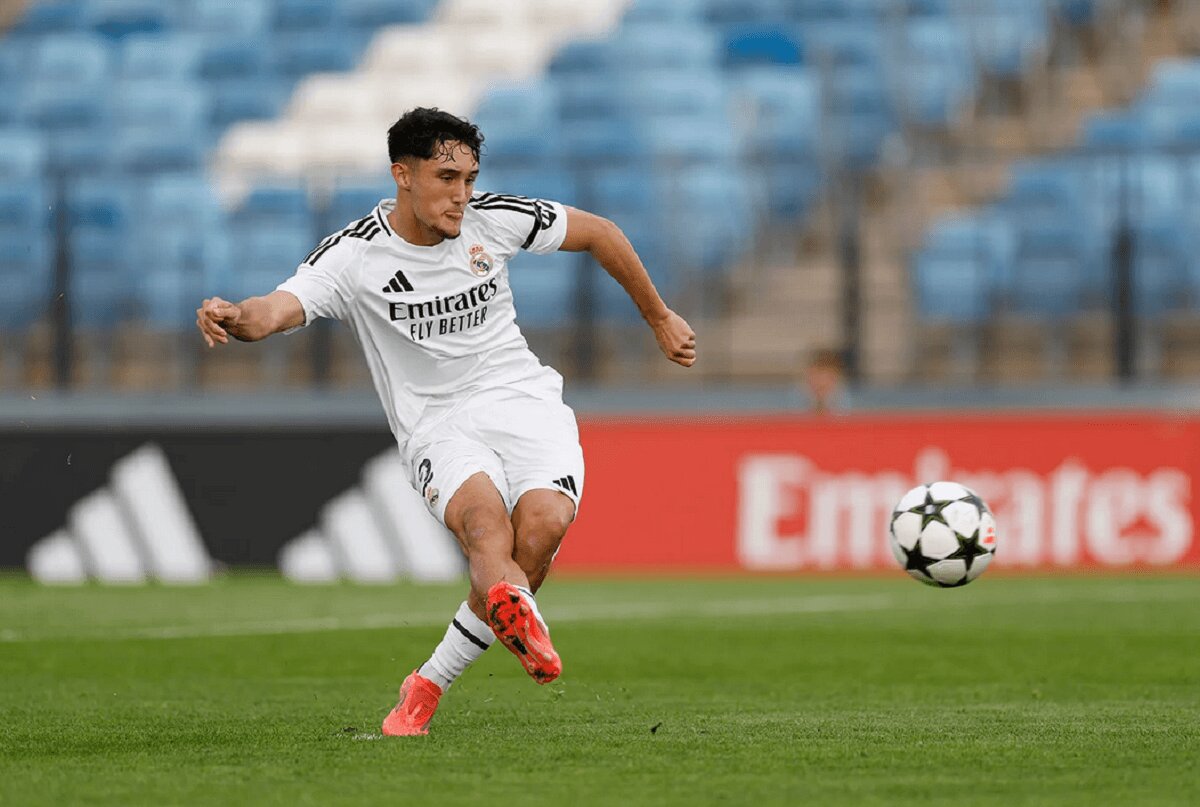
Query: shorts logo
(425, 475)
(481, 262)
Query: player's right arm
(250, 320)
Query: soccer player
(422, 281)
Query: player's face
(441, 187)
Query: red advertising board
(795, 494)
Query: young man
(422, 281)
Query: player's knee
(486, 532)
(545, 522)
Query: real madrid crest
(481, 262)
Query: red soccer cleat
(517, 626)
(418, 701)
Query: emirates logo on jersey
(481, 262)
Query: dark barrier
(249, 491)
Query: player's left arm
(587, 232)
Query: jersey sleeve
(536, 225)
(321, 283)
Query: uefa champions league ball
(943, 534)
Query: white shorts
(521, 441)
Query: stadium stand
(705, 127)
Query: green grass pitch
(725, 691)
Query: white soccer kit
(462, 390)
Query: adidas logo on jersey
(567, 483)
(398, 284)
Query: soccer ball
(943, 534)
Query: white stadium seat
(328, 97)
(336, 123)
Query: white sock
(465, 640)
(533, 604)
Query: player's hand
(676, 338)
(214, 318)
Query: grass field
(730, 691)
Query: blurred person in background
(822, 385)
(422, 281)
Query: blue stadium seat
(310, 16)
(679, 140)
(24, 205)
(583, 56)
(651, 46)
(162, 102)
(65, 105)
(589, 98)
(26, 275)
(1005, 34)
(1040, 193)
(1161, 257)
(529, 104)
(921, 8)
(860, 10)
(782, 107)
(102, 202)
(14, 59)
(370, 15)
(535, 182)
(48, 17)
(178, 197)
(951, 287)
(761, 44)
(350, 202)
(740, 12)
(102, 277)
(606, 141)
(515, 144)
(22, 154)
(1050, 270)
(714, 209)
(670, 11)
(266, 256)
(161, 125)
(160, 56)
(240, 18)
(1076, 13)
(233, 58)
(1114, 132)
(675, 92)
(843, 44)
(178, 265)
(1174, 83)
(117, 19)
(72, 57)
(543, 288)
(269, 207)
(628, 189)
(296, 55)
(81, 153)
(245, 99)
(938, 78)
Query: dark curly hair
(424, 131)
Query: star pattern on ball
(968, 550)
(930, 510)
(978, 502)
(915, 560)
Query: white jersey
(435, 323)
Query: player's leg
(478, 516)
(540, 521)
(538, 441)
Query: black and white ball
(943, 534)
